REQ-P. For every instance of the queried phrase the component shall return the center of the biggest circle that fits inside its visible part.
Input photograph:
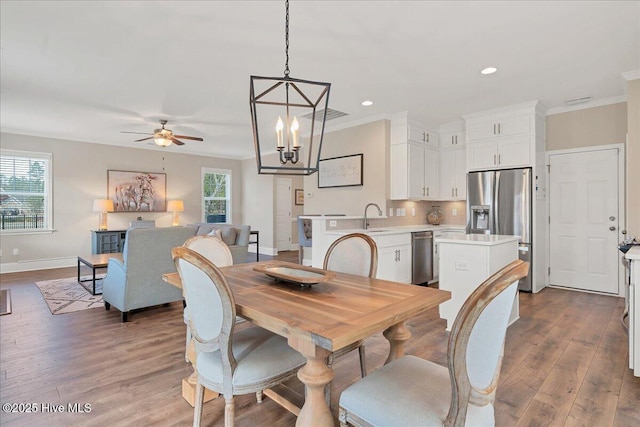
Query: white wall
(80, 175)
(370, 139)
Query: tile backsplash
(409, 207)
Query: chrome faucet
(366, 222)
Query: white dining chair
(228, 362)
(354, 253)
(415, 392)
(216, 251)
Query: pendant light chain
(286, 38)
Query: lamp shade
(103, 205)
(175, 206)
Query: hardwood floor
(565, 363)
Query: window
(216, 194)
(25, 191)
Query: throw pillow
(229, 236)
(216, 233)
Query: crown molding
(586, 105)
(631, 75)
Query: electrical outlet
(390, 211)
(413, 211)
(15, 251)
(454, 212)
(333, 223)
(462, 265)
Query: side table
(257, 242)
(94, 262)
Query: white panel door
(283, 214)
(584, 220)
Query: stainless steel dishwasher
(421, 257)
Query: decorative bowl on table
(298, 274)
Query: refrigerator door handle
(496, 205)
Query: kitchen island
(466, 261)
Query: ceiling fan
(165, 137)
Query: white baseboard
(39, 264)
(265, 251)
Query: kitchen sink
(375, 231)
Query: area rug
(67, 295)
(5, 301)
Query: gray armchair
(136, 281)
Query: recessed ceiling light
(367, 103)
(489, 70)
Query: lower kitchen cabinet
(394, 257)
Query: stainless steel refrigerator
(499, 202)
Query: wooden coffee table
(95, 262)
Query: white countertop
(477, 239)
(381, 231)
(633, 253)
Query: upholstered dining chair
(412, 391)
(354, 253)
(228, 362)
(216, 251)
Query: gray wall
(80, 175)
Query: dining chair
(354, 253)
(412, 391)
(228, 362)
(216, 251)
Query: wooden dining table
(322, 318)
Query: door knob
(612, 228)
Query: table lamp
(103, 206)
(175, 206)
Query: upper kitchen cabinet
(404, 130)
(413, 161)
(504, 138)
(414, 172)
(416, 133)
(453, 174)
(452, 135)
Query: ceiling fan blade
(192, 138)
(139, 133)
(143, 139)
(175, 141)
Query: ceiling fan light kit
(165, 137)
(276, 103)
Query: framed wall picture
(345, 171)
(137, 191)
(299, 197)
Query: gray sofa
(136, 282)
(235, 236)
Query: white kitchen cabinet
(633, 301)
(452, 139)
(508, 137)
(453, 174)
(394, 257)
(414, 172)
(501, 153)
(499, 126)
(416, 133)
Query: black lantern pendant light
(281, 109)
